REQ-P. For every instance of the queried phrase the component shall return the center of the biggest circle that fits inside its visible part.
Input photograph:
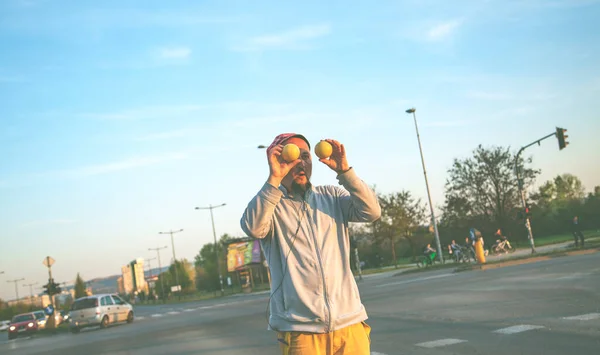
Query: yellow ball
(290, 152)
(323, 149)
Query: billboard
(242, 253)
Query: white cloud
(175, 52)
(487, 95)
(147, 112)
(127, 164)
(298, 38)
(43, 222)
(443, 30)
(165, 135)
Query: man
(429, 253)
(577, 234)
(315, 305)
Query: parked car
(4, 325)
(22, 324)
(99, 310)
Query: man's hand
(278, 167)
(337, 161)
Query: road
(548, 307)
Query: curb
(531, 260)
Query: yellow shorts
(352, 340)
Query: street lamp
(16, 282)
(437, 236)
(174, 259)
(30, 292)
(211, 207)
(162, 283)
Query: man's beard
(300, 188)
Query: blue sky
(119, 117)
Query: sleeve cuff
(348, 177)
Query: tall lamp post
(162, 283)
(30, 292)
(437, 236)
(211, 207)
(16, 282)
(171, 232)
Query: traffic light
(52, 288)
(527, 211)
(562, 138)
(55, 288)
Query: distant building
(132, 279)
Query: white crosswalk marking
(173, 312)
(188, 310)
(140, 318)
(589, 316)
(518, 329)
(156, 315)
(440, 342)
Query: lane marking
(518, 329)
(189, 310)
(376, 353)
(589, 316)
(140, 318)
(156, 315)
(415, 280)
(173, 312)
(440, 342)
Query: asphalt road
(548, 307)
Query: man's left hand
(337, 161)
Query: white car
(4, 325)
(99, 310)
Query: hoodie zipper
(325, 293)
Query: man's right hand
(278, 167)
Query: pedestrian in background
(577, 233)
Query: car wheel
(104, 322)
(130, 317)
(11, 337)
(75, 330)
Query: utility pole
(437, 235)
(559, 134)
(30, 292)
(16, 282)
(162, 283)
(48, 262)
(211, 207)
(171, 232)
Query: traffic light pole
(51, 319)
(522, 190)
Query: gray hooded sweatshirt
(307, 247)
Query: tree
(557, 201)
(401, 215)
(80, 289)
(482, 190)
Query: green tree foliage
(401, 216)
(80, 289)
(481, 191)
(557, 201)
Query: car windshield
(84, 303)
(40, 315)
(22, 318)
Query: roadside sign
(175, 288)
(49, 310)
(48, 261)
